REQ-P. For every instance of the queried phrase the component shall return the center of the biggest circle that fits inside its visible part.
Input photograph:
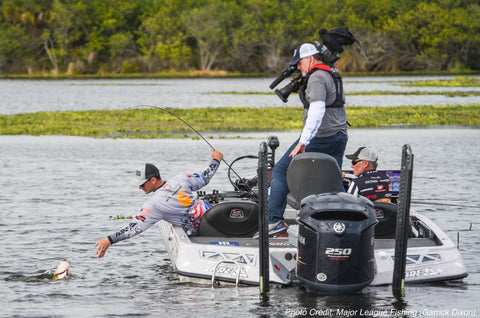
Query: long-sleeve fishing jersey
(174, 202)
(371, 184)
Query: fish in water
(62, 271)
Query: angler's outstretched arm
(207, 174)
(138, 226)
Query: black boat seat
(312, 173)
(386, 214)
(235, 218)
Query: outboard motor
(336, 230)
(336, 243)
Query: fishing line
(174, 115)
(194, 130)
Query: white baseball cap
(364, 153)
(304, 50)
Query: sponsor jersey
(371, 184)
(174, 202)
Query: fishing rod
(197, 132)
(442, 203)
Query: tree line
(248, 36)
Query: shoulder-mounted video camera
(329, 49)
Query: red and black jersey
(371, 184)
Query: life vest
(337, 79)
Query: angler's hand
(217, 155)
(102, 246)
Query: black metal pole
(263, 219)
(403, 224)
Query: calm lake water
(21, 96)
(58, 195)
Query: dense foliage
(129, 36)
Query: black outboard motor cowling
(336, 243)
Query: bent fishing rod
(195, 131)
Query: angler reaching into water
(172, 201)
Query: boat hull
(236, 259)
(227, 258)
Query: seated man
(366, 181)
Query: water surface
(58, 195)
(24, 96)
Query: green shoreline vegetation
(237, 74)
(148, 123)
(86, 37)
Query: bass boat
(335, 242)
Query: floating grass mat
(460, 81)
(450, 94)
(155, 123)
(417, 93)
(459, 115)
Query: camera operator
(324, 125)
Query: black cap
(146, 172)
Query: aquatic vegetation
(460, 81)
(120, 217)
(464, 115)
(450, 94)
(154, 123)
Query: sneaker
(278, 227)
